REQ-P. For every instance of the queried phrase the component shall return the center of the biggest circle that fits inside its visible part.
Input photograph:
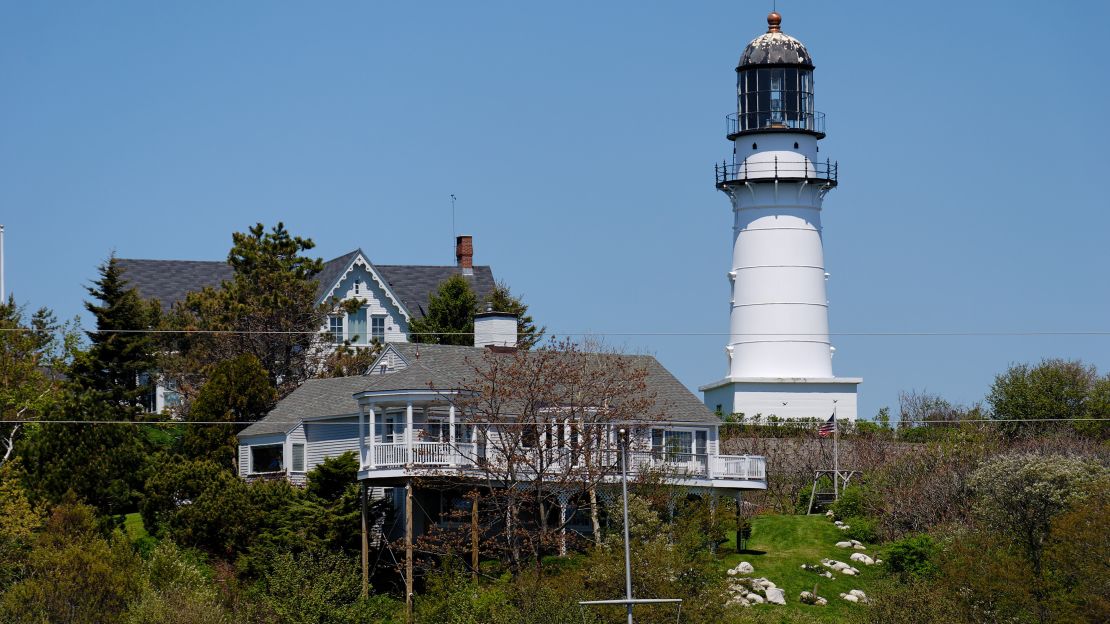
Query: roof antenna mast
(453, 234)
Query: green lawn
(781, 544)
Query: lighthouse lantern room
(779, 353)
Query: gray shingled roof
(169, 281)
(414, 284)
(446, 367)
(313, 398)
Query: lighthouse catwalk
(779, 353)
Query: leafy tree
(74, 574)
(19, 521)
(450, 317)
(1052, 390)
(1076, 558)
(32, 360)
(321, 588)
(503, 300)
(268, 309)
(175, 590)
(100, 462)
(237, 391)
(1018, 496)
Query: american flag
(828, 428)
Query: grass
(781, 544)
(135, 531)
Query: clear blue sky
(579, 138)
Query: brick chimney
(464, 254)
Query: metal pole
(3, 293)
(627, 549)
(836, 455)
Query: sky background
(579, 138)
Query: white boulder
(858, 593)
(838, 523)
(862, 558)
(744, 568)
(843, 527)
(849, 571)
(844, 544)
(776, 596)
(830, 514)
(754, 598)
(849, 597)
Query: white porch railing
(394, 454)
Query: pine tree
(450, 317)
(503, 300)
(238, 391)
(101, 463)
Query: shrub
(912, 558)
(862, 529)
(850, 503)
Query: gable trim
(360, 258)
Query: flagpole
(836, 455)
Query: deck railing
(394, 455)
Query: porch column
(451, 434)
(373, 436)
(361, 439)
(408, 431)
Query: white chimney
(497, 329)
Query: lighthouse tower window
(778, 97)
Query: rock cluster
(746, 591)
(864, 559)
(855, 595)
(851, 544)
(840, 566)
(816, 569)
(812, 599)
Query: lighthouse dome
(775, 47)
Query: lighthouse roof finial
(774, 20)
(775, 47)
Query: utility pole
(408, 552)
(627, 548)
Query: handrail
(759, 121)
(393, 455)
(826, 173)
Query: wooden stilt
(408, 553)
(365, 545)
(474, 536)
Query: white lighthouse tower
(779, 354)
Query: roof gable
(335, 271)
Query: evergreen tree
(237, 391)
(268, 310)
(450, 317)
(99, 462)
(503, 300)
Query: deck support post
(474, 535)
(408, 548)
(361, 439)
(365, 544)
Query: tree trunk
(594, 520)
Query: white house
(391, 295)
(403, 420)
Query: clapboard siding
(330, 439)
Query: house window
(267, 458)
(679, 445)
(335, 327)
(377, 328)
(298, 458)
(358, 286)
(356, 326)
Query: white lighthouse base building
(785, 398)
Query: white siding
(329, 438)
(296, 436)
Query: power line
(565, 421)
(954, 333)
